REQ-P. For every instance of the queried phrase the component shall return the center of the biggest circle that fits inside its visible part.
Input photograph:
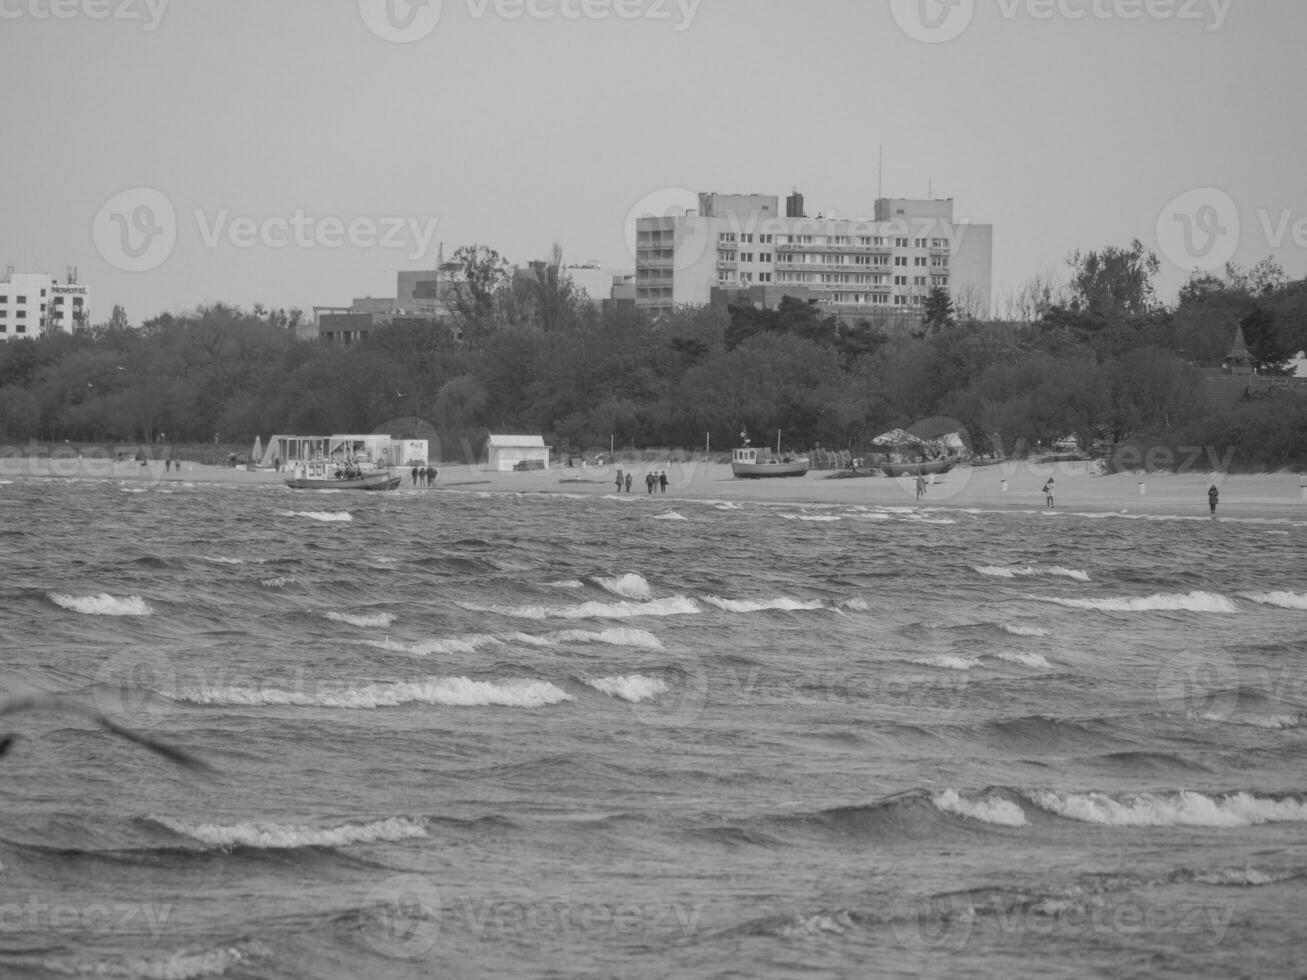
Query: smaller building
(505, 453)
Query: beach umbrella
(256, 454)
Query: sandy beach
(1003, 486)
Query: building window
(764, 239)
(900, 260)
(746, 256)
(918, 280)
(919, 260)
(764, 277)
(726, 236)
(746, 239)
(900, 280)
(21, 314)
(918, 243)
(764, 256)
(900, 243)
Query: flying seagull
(50, 703)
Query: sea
(461, 733)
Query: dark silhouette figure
(1213, 498)
(662, 481)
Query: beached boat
(753, 462)
(328, 474)
(921, 467)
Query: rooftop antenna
(880, 173)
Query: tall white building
(32, 303)
(856, 267)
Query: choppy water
(465, 734)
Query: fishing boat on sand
(331, 474)
(754, 462)
(924, 467)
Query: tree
(555, 299)
(482, 275)
(1270, 351)
(937, 314)
(1115, 282)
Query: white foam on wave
(1017, 630)
(628, 586)
(224, 560)
(1005, 813)
(1211, 602)
(1023, 571)
(467, 643)
(275, 583)
(376, 621)
(320, 515)
(103, 604)
(758, 605)
(632, 687)
(1183, 809)
(816, 518)
(1285, 600)
(856, 604)
(618, 637)
(186, 964)
(671, 606)
(947, 662)
(571, 583)
(1244, 877)
(670, 515)
(278, 836)
(1026, 659)
(448, 691)
(1270, 722)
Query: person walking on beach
(628, 482)
(921, 487)
(648, 482)
(662, 482)
(1048, 492)
(1213, 498)
(619, 481)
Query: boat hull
(380, 480)
(755, 471)
(924, 468)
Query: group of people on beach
(424, 476)
(654, 478)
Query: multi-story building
(739, 245)
(33, 303)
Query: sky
(300, 152)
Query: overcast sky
(299, 152)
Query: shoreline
(1010, 486)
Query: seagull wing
(49, 703)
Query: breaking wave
(1182, 809)
(274, 835)
(1285, 600)
(628, 586)
(672, 606)
(1212, 602)
(450, 691)
(1022, 571)
(632, 687)
(377, 621)
(103, 604)
(1005, 813)
(758, 605)
(320, 515)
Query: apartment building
(32, 303)
(740, 245)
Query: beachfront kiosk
(506, 453)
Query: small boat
(329, 474)
(753, 462)
(921, 467)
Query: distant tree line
(1097, 357)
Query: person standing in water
(1213, 498)
(921, 487)
(1048, 492)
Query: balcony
(850, 249)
